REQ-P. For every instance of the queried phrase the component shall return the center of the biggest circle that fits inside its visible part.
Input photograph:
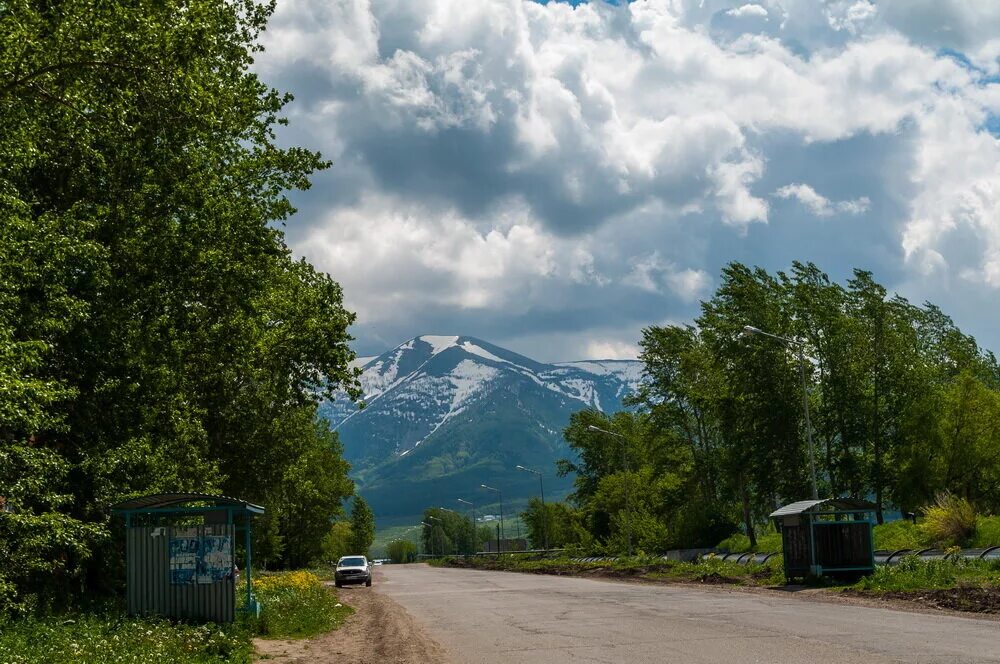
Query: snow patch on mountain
(360, 362)
(469, 377)
(470, 347)
(438, 343)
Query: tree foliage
(904, 405)
(156, 334)
(401, 551)
(362, 527)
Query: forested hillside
(156, 334)
(905, 408)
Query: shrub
(735, 543)
(768, 541)
(949, 521)
(901, 534)
(987, 531)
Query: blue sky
(555, 176)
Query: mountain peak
(437, 343)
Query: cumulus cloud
(750, 9)
(393, 256)
(496, 154)
(654, 274)
(822, 206)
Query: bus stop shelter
(831, 537)
(180, 555)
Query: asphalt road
(500, 617)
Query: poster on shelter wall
(215, 560)
(185, 545)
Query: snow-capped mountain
(445, 413)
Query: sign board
(199, 558)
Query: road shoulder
(379, 632)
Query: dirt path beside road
(379, 632)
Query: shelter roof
(824, 505)
(160, 501)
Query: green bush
(768, 541)
(735, 543)
(951, 520)
(901, 534)
(114, 639)
(987, 531)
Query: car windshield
(352, 562)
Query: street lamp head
(593, 428)
(750, 329)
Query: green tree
(362, 527)
(338, 542)
(156, 334)
(401, 551)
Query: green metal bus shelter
(180, 551)
(829, 537)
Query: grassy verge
(114, 639)
(708, 570)
(913, 574)
(961, 585)
(295, 605)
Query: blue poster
(215, 560)
(184, 547)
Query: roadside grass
(768, 541)
(707, 570)
(914, 574)
(295, 605)
(113, 638)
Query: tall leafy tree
(155, 331)
(362, 526)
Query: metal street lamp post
(474, 538)
(799, 346)
(545, 513)
(431, 535)
(628, 520)
(439, 520)
(501, 535)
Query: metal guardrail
(882, 557)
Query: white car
(352, 569)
